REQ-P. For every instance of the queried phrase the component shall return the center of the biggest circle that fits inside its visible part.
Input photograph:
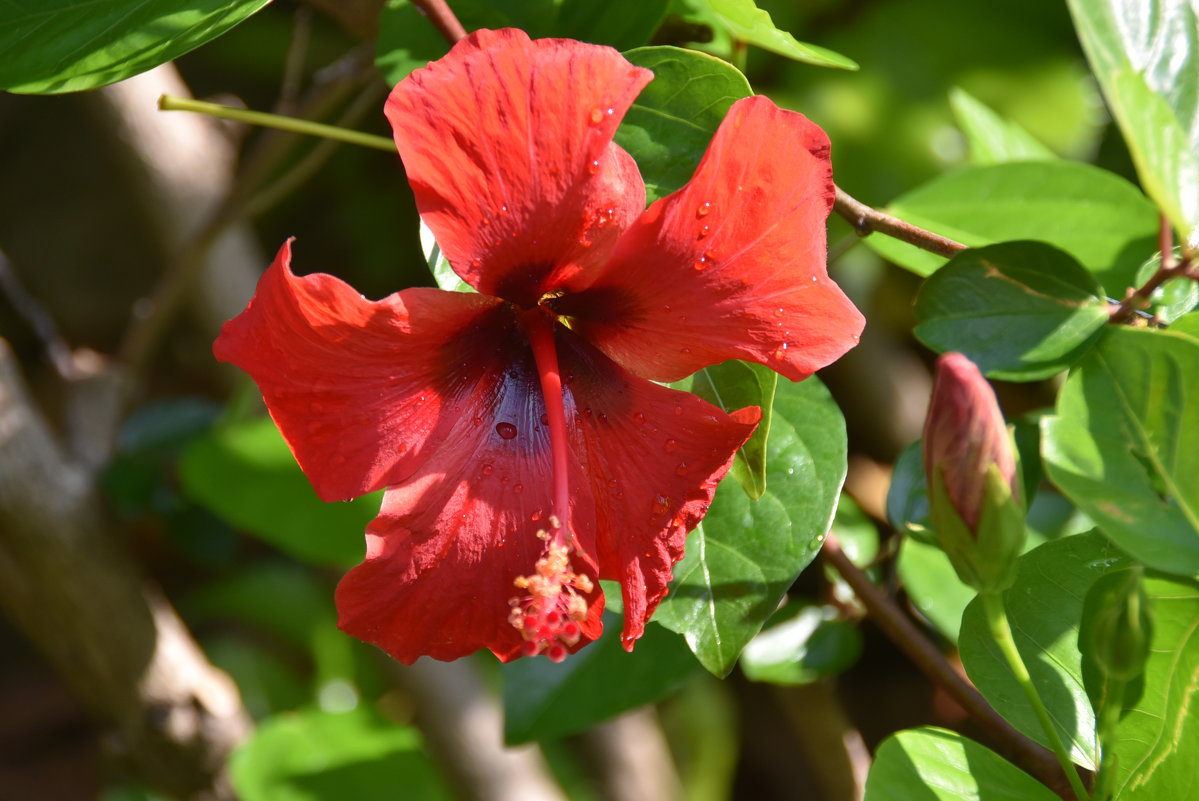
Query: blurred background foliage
(255, 583)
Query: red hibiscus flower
(525, 448)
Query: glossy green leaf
(741, 560)
(735, 385)
(907, 497)
(1044, 606)
(1146, 57)
(1158, 738)
(933, 586)
(1097, 217)
(544, 700)
(1124, 444)
(745, 22)
(809, 645)
(1022, 311)
(929, 764)
(990, 138)
(53, 46)
(246, 475)
(319, 756)
(1174, 298)
(1187, 325)
(670, 124)
(623, 24)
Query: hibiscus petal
(364, 391)
(447, 547)
(507, 145)
(653, 457)
(732, 266)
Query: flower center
(550, 615)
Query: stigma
(549, 616)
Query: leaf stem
(1001, 632)
(866, 220)
(172, 103)
(1030, 755)
(443, 19)
(1137, 298)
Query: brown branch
(69, 586)
(1029, 755)
(443, 19)
(866, 220)
(1137, 298)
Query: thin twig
(293, 65)
(443, 19)
(1137, 298)
(37, 318)
(866, 220)
(1031, 756)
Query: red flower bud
(964, 435)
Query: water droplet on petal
(504, 209)
(661, 505)
(477, 421)
(505, 430)
(545, 419)
(814, 279)
(684, 350)
(678, 410)
(535, 517)
(603, 417)
(666, 307)
(703, 231)
(487, 470)
(518, 488)
(671, 445)
(597, 116)
(681, 469)
(704, 209)
(593, 167)
(612, 482)
(779, 312)
(639, 418)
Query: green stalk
(172, 103)
(1108, 719)
(1001, 631)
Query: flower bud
(971, 469)
(1116, 629)
(964, 435)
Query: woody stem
(539, 326)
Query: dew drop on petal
(505, 430)
(678, 410)
(661, 505)
(518, 488)
(779, 312)
(681, 469)
(603, 417)
(597, 116)
(639, 418)
(684, 350)
(593, 167)
(671, 445)
(487, 469)
(612, 483)
(545, 419)
(703, 231)
(704, 209)
(814, 279)
(477, 421)
(666, 307)
(533, 518)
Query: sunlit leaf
(741, 560)
(670, 124)
(54, 46)
(1044, 606)
(1097, 217)
(1124, 444)
(746, 22)
(1146, 57)
(992, 139)
(811, 644)
(929, 764)
(735, 385)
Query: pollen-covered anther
(550, 614)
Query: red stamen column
(539, 326)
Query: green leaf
(1172, 299)
(741, 560)
(809, 645)
(929, 764)
(1098, 218)
(1022, 311)
(933, 586)
(907, 497)
(1124, 444)
(745, 22)
(1187, 325)
(1044, 606)
(245, 474)
(735, 385)
(670, 124)
(439, 265)
(319, 756)
(544, 700)
(1157, 739)
(990, 138)
(1146, 57)
(54, 46)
